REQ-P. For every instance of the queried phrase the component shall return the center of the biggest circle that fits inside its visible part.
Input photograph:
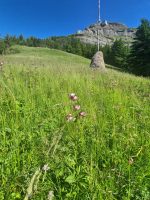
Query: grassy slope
(88, 159)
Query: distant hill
(109, 32)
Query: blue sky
(42, 18)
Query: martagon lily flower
(70, 118)
(73, 97)
(77, 107)
(82, 114)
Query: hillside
(109, 32)
(101, 153)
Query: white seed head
(45, 167)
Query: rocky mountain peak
(108, 33)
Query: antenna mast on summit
(99, 13)
(99, 21)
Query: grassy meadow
(104, 155)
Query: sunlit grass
(104, 155)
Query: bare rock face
(98, 61)
(108, 33)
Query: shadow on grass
(117, 68)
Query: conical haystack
(98, 62)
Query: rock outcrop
(108, 33)
(98, 62)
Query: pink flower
(70, 118)
(77, 107)
(73, 97)
(82, 114)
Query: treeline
(69, 44)
(134, 58)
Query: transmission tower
(99, 13)
(99, 21)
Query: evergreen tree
(107, 54)
(21, 40)
(2, 46)
(8, 41)
(33, 42)
(119, 54)
(139, 59)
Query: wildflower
(50, 195)
(73, 97)
(69, 117)
(82, 114)
(130, 161)
(1, 63)
(77, 107)
(45, 168)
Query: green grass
(88, 159)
